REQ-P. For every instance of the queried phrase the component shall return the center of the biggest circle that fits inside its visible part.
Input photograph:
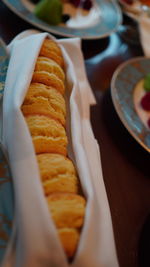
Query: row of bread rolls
(44, 109)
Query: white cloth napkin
(144, 29)
(34, 241)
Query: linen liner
(34, 241)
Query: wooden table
(126, 165)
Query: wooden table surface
(126, 165)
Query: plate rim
(57, 32)
(115, 102)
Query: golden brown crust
(49, 79)
(69, 238)
(67, 210)
(57, 173)
(55, 165)
(49, 65)
(51, 50)
(61, 185)
(44, 100)
(47, 134)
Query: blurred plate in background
(110, 19)
(123, 83)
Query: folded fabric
(35, 241)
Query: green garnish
(147, 83)
(49, 11)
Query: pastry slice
(57, 173)
(51, 50)
(69, 238)
(67, 210)
(50, 66)
(44, 100)
(48, 135)
(49, 79)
